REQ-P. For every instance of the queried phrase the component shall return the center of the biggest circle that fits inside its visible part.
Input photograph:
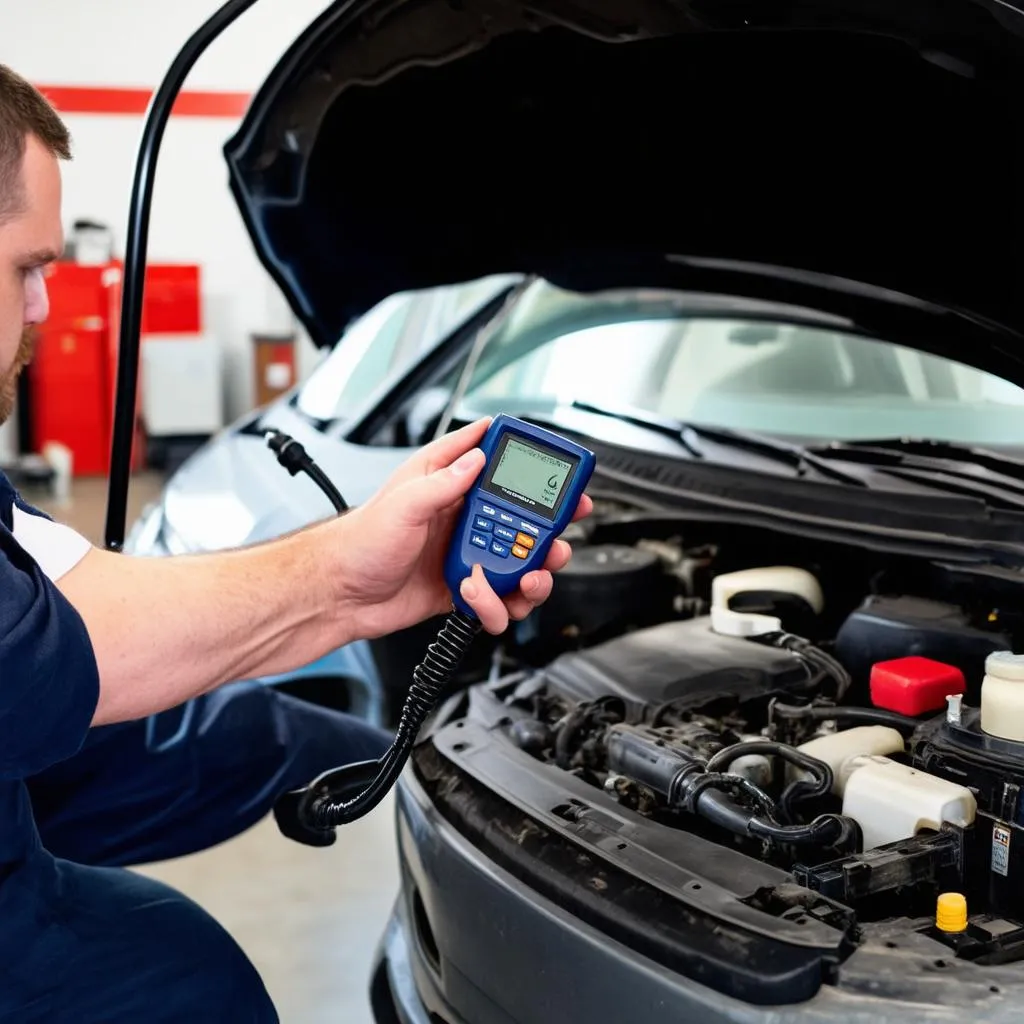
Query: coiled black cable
(311, 814)
(429, 679)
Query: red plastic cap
(914, 686)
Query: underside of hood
(860, 156)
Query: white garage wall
(132, 43)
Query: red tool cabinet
(73, 376)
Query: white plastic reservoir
(892, 801)
(1002, 696)
(784, 579)
(841, 751)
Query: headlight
(144, 538)
(204, 522)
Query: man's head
(32, 140)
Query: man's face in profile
(31, 237)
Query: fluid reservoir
(840, 751)
(1002, 696)
(892, 801)
(763, 587)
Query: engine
(875, 752)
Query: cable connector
(296, 459)
(289, 452)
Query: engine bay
(852, 719)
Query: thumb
(429, 495)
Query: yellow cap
(951, 912)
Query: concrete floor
(309, 919)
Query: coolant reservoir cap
(1005, 665)
(951, 912)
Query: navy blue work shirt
(49, 688)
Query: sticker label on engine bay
(1001, 850)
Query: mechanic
(91, 638)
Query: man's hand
(393, 547)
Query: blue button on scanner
(506, 518)
(489, 510)
(504, 533)
(480, 542)
(482, 524)
(499, 549)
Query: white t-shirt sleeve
(56, 548)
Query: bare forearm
(168, 629)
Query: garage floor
(309, 919)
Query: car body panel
(907, 241)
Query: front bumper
(470, 944)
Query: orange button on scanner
(525, 540)
(519, 551)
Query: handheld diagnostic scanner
(524, 497)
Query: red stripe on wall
(76, 99)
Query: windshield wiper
(945, 466)
(908, 450)
(663, 425)
(954, 467)
(799, 458)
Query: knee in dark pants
(134, 950)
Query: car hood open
(857, 156)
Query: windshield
(387, 340)
(653, 352)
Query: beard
(9, 378)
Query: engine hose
(429, 678)
(821, 771)
(698, 786)
(814, 656)
(567, 732)
(714, 805)
(825, 830)
(835, 669)
(874, 716)
(801, 789)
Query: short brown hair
(24, 111)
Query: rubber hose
(716, 807)
(822, 772)
(876, 716)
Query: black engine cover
(683, 662)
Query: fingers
(558, 557)
(446, 449)
(425, 497)
(534, 589)
(486, 605)
(493, 612)
(436, 455)
(584, 508)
